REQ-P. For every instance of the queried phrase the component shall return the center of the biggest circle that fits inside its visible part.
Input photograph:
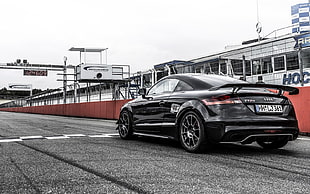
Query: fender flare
(126, 107)
(192, 105)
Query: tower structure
(300, 18)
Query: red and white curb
(55, 137)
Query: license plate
(262, 108)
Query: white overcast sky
(140, 33)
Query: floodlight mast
(258, 24)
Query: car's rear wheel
(125, 125)
(192, 134)
(273, 144)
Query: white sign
(98, 72)
(20, 87)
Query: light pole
(65, 80)
(258, 24)
(301, 67)
(243, 68)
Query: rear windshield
(212, 81)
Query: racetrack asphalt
(86, 156)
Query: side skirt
(151, 135)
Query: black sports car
(198, 109)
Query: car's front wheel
(274, 144)
(125, 125)
(192, 134)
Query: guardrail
(98, 92)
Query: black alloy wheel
(274, 144)
(192, 134)
(125, 125)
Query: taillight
(222, 100)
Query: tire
(125, 125)
(274, 144)
(192, 133)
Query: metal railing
(93, 93)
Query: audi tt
(199, 110)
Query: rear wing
(280, 89)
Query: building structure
(277, 60)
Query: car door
(149, 113)
(172, 106)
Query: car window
(212, 81)
(164, 86)
(182, 86)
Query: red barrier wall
(110, 109)
(301, 104)
(103, 109)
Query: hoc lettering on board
(295, 78)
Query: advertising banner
(20, 87)
(302, 41)
(28, 72)
(300, 18)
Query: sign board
(302, 41)
(28, 72)
(295, 78)
(20, 87)
(300, 18)
(99, 72)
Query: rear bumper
(247, 133)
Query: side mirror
(142, 92)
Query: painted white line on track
(32, 137)
(57, 137)
(74, 135)
(104, 135)
(65, 136)
(9, 140)
(113, 134)
(302, 138)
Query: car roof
(204, 81)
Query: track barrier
(301, 104)
(102, 109)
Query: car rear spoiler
(279, 89)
